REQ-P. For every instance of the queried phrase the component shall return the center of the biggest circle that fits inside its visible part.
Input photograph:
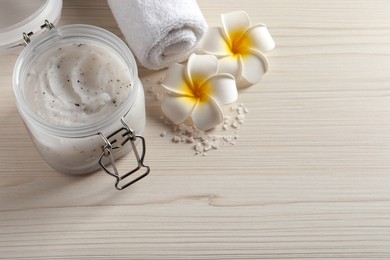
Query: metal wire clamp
(27, 36)
(116, 140)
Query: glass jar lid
(21, 16)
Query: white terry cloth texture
(159, 32)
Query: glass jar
(84, 147)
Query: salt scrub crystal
(204, 142)
(198, 92)
(190, 140)
(240, 47)
(77, 84)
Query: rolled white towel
(159, 32)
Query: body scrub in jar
(80, 97)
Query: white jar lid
(21, 16)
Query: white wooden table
(308, 177)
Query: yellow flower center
(235, 49)
(198, 91)
(238, 42)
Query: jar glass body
(77, 149)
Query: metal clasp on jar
(27, 36)
(115, 141)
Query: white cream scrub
(77, 88)
(76, 84)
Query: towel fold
(159, 32)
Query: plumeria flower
(196, 91)
(239, 47)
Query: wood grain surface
(308, 177)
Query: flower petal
(258, 38)
(214, 43)
(178, 108)
(207, 114)
(222, 88)
(231, 65)
(235, 24)
(200, 68)
(254, 66)
(175, 80)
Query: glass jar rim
(79, 32)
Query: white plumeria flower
(239, 47)
(197, 91)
